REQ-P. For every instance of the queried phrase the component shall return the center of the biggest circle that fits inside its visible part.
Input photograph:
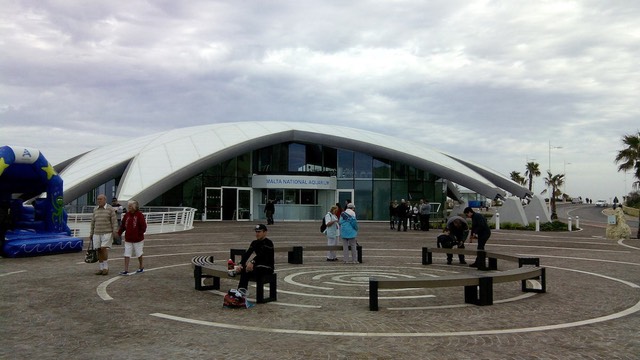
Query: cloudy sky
(493, 82)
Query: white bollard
(537, 223)
(577, 222)
(497, 221)
(569, 223)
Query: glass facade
(374, 181)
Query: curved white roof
(153, 164)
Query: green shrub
(633, 200)
(554, 226)
(548, 226)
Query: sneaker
(463, 262)
(474, 265)
(139, 271)
(355, 262)
(124, 273)
(99, 272)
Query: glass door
(244, 204)
(343, 196)
(213, 204)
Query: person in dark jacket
(479, 230)
(263, 263)
(459, 229)
(269, 210)
(402, 211)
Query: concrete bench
(427, 257)
(295, 253)
(478, 289)
(335, 248)
(205, 270)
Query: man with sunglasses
(259, 265)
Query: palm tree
(533, 169)
(555, 182)
(629, 158)
(515, 176)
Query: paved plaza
(54, 307)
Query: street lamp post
(565, 176)
(549, 170)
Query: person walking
(104, 228)
(349, 232)
(425, 213)
(479, 230)
(269, 210)
(119, 209)
(392, 214)
(133, 226)
(263, 263)
(332, 231)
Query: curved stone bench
(482, 255)
(478, 288)
(295, 253)
(205, 270)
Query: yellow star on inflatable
(49, 170)
(3, 165)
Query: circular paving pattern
(591, 307)
(310, 287)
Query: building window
(345, 164)
(381, 169)
(297, 157)
(330, 161)
(363, 166)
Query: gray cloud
(492, 82)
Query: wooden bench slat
(295, 253)
(523, 273)
(432, 282)
(478, 289)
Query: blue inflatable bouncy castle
(40, 228)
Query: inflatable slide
(32, 227)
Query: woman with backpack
(332, 231)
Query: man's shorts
(102, 240)
(130, 248)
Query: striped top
(104, 221)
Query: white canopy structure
(152, 164)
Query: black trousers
(246, 276)
(402, 221)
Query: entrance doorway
(227, 203)
(343, 196)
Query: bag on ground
(234, 299)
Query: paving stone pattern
(54, 307)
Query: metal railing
(159, 220)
